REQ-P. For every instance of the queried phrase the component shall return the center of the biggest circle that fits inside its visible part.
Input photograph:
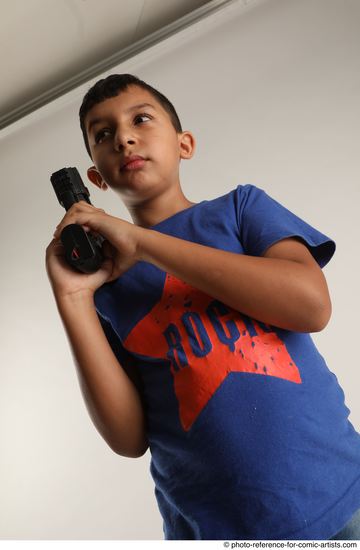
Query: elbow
(319, 303)
(140, 453)
(137, 453)
(311, 320)
(130, 452)
(323, 316)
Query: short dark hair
(111, 86)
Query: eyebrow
(129, 110)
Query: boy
(193, 339)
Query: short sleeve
(263, 221)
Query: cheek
(165, 148)
(107, 163)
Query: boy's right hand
(65, 281)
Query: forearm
(275, 291)
(111, 398)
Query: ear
(187, 144)
(96, 178)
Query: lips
(132, 162)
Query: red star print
(197, 321)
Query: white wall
(272, 95)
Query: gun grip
(82, 251)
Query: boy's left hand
(121, 245)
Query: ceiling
(50, 46)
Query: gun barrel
(69, 187)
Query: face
(123, 126)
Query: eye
(137, 119)
(142, 115)
(100, 134)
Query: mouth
(134, 163)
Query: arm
(111, 397)
(285, 288)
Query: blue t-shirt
(247, 427)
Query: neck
(156, 209)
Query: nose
(122, 139)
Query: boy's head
(121, 116)
(112, 86)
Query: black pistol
(83, 251)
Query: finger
(80, 204)
(53, 248)
(88, 219)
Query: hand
(120, 250)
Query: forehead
(123, 103)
